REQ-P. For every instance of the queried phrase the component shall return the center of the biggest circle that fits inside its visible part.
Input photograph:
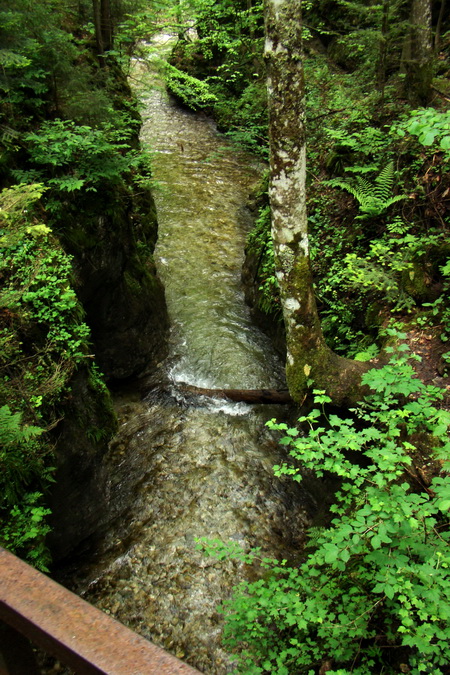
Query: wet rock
(116, 278)
(79, 497)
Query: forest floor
(426, 343)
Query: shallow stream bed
(196, 467)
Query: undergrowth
(373, 592)
(43, 341)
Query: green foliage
(43, 45)
(350, 131)
(23, 527)
(342, 307)
(49, 73)
(19, 454)
(391, 265)
(67, 125)
(36, 275)
(192, 92)
(360, 145)
(246, 118)
(227, 57)
(439, 310)
(374, 198)
(364, 40)
(11, 431)
(73, 156)
(374, 591)
(430, 126)
(260, 244)
(42, 341)
(135, 28)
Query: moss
(79, 237)
(414, 282)
(106, 418)
(132, 284)
(310, 361)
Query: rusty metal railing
(78, 634)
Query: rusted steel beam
(80, 635)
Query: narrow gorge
(184, 467)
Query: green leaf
(428, 137)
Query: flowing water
(197, 468)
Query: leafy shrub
(23, 527)
(42, 341)
(430, 126)
(373, 198)
(374, 592)
(192, 92)
(259, 242)
(439, 312)
(245, 118)
(393, 265)
(71, 156)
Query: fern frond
(365, 188)
(384, 182)
(11, 429)
(393, 200)
(314, 534)
(374, 198)
(338, 182)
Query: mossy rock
(112, 236)
(416, 283)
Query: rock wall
(111, 236)
(79, 496)
(116, 279)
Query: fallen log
(239, 395)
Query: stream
(197, 467)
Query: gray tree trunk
(417, 54)
(307, 354)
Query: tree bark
(103, 27)
(440, 21)
(98, 27)
(417, 57)
(308, 357)
(382, 51)
(106, 25)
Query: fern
(11, 430)
(374, 198)
(314, 534)
(18, 459)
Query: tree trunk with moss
(308, 356)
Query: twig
(330, 112)
(440, 92)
